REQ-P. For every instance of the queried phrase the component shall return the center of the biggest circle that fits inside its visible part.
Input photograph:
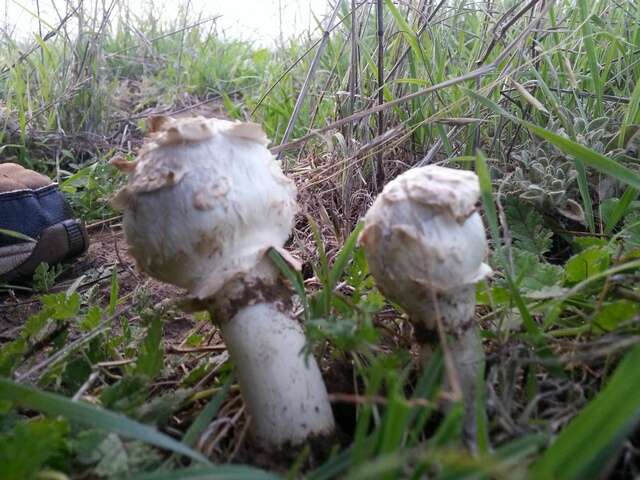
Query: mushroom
(426, 246)
(204, 202)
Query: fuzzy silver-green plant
(546, 176)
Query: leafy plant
(90, 189)
(527, 227)
(45, 277)
(32, 445)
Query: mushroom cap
(204, 202)
(423, 233)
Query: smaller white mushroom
(426, 246)
(204, 202)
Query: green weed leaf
(30, 446)
(585, 448)
(527, 228)
(587, 263)
(92, 416)
(151, 358)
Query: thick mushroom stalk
(426, 246)
(204, 202)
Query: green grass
(543, 105)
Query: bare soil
(107, 250)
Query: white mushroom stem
(282, 386)
(456, 309)
(426, 246)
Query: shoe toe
(16, 177)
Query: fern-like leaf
(527, 228)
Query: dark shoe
(33, 208)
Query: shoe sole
(56, 243)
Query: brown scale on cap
(122, 164)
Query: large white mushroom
(204, 202)
(426, 246)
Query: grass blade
(484, 177)
(18, 235)
(207, 414)
(344, 256)
(331, 468)
(95, 417)
(589, 157)
(294, 277)
(632, 116)
(587, 39)
(533, 101)
(620, 211)
(222, 472)
(585, 195)
(585, 448)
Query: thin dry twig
(379, 176)
(380, 400)
(312, 68)
(23, 56)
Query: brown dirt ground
(107, 249)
